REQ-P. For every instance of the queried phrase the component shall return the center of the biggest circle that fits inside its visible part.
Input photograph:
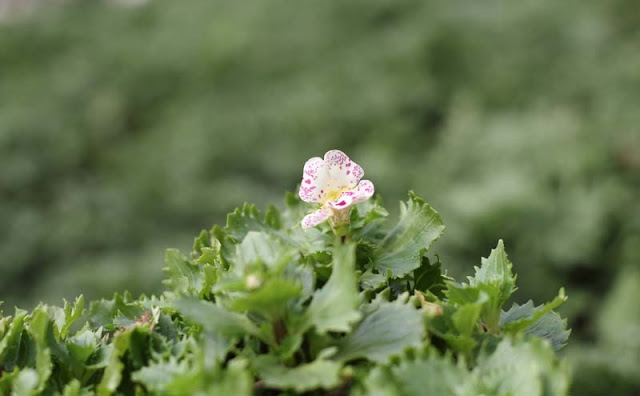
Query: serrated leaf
(367, 219)
(4, 325)
(494, 276)
(39, 328)
(270, 299)
(520, 368)
(123, 342)
(380, 382)
(540, 321)
(387, 329)
(402, 249)
(187, 277)
(466, 315)
(71, 314)
(11, 343)
(272, 217)
(429, 278)
(243, 220)
(334, 307)
(372, 280)
(103, 312)
(203, 240)
(184, 277)
(157, 375)
(319, 374)
(261, 248)
(113, 372)
(434, 375)
(285, 226)
(217, 320)
(235, 380)
(460, 294)
(74, 388)
(495, 279)
(83, 344)
(208, 256)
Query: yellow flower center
(332, 195)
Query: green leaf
(234, 380)
(466, 315)
(261, 248)
(495, 276)
(519, 367)
(319, 374)
(243, 220)
(4, 322)
(209, 256)
(371, 280)
(540, 321)
(83, 344)
(74, 388)
(184, 277)
(157, 375)
(103, 312)
(459, 317)
(113, 372)
(380, 382)
(71, 314)
(334, 307)
(429, 278)
(217, 320)
(11, 344)
(6, 381)
(434, 375)
(387, 329)
(460, 294)
(402, 250)
(201, 242)
(39, 328)
(367, 219)
(270, 299)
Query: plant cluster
(355, 305)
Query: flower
(334, 182)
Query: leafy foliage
(255, 310)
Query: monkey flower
(334, 182)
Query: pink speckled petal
(343, 172)
(315, 218)
(315, 181)
(361, 193)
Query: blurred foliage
(123, 130)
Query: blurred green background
(126, 130)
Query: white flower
(334, 182)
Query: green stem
(492, 321)
(341, 224)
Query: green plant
(357, 305)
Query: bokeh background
(128, 126)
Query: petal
(315, 180)
(343, 172)
(315, 218)
(361, 193)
